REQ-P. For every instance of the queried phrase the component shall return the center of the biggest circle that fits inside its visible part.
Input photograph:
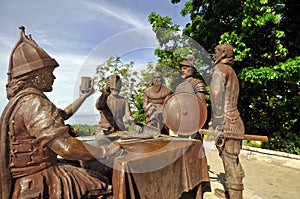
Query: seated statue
(154, 98)
(33, 134)
(113, 109)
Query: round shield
(184, 113)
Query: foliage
(85, 130)
(174, 47)
(266, 42)
(252, 144)
(114, 65)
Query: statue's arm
(170, 93)
(102, 101)
(73, 149)
(146, 104)
(129, 118)
(128, 115)
(72, 108)
(217, 97)
(43, 121)
(200, 90)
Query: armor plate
(184, 113)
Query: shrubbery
(84, 129)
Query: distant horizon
(84, 119)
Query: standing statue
(33, 134)
(224, 93)
(113, 108)
(154, 98)
(191, 84)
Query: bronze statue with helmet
(191, 85)
(33, 134)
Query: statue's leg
(233, 169)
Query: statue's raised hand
(86, 92)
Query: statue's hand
(108, 83)
(137, 128)
(148, 106)
(113, 150)
(87, 92)
(105, 90)
(218, 131)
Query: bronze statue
(191, 84)
(113, 108)
(154, 98)
(33, 134)
(224, 93)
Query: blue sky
(80, 34)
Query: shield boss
(184, 113)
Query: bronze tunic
(113, 109)
(154, 98)
(224, 90)
(224, 99)
(156, 94)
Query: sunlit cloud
(120, 13)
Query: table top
(163, 167)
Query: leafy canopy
(266, 42)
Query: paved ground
(269, 175)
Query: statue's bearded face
(223, 51)
(157, 79)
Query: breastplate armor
(27, 156)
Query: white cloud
(118, 12)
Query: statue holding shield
(192, 90)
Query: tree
(267, 61)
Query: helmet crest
(28, 56)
